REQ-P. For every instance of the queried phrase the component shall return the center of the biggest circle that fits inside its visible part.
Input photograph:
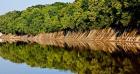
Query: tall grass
(101, 39)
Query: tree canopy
(80, 15)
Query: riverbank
(105, 39)
(93, 35)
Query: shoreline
(105, 40)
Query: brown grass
(102, 39)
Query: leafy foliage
(80, 15)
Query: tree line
(81, 15)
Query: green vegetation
(80, 15)
(82, 61)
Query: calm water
(7, 67)
(33, 58)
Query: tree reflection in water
(83, 61)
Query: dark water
(32, 58)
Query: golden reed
(102, 39)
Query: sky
(10, 5)
(7, 67)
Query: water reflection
(104, 45)
(78, 61)
(78, 56)
(107, 46)
(7, 67)
(80, 43)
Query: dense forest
(77, 61)
(80, 15)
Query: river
(34, 58)
(59, 55)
